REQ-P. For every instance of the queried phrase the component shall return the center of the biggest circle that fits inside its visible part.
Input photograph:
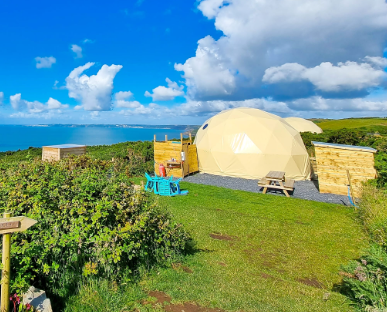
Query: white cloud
(123, 95)
(317, 103)
(152, 110)
(204, 108)
(77, 50)
(162, 93)
(122, 98)
(381, 62)
(88, 41)
(45, 62)
(94, 115)
(44, 115)
(93, 92)
(1, 97)
(34, 107)
(268, 33)
(327, 77)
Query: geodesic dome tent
(248, 143)
(303, 125)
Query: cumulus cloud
(330, 78)
(204, 108)
(122, 100)
(93, 92)
(1, 97)
(318, 103)
(45, 62)
(35, 107)
(315, 105)
(378, 61)
(123, 95)
(162, 93)
(152, 110)
(258, 35)
(77, 50)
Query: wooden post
(9, 225)
(166, 138)
(190, 137)
(181, 138)
(6, 271)
(154, 138)
(350, 186)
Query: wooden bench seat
(285, 186)
(289, 183)
(262, 182)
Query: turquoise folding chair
(170, 188)
(151, 182)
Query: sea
(13, 138)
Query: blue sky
(216, 54)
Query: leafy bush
(365, 281)
(135, 157)
(91, 221)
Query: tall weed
(373, 213)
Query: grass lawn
(266, 253)
(352, 123)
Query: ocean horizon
(15, 137)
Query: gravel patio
(302, 189)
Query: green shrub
(365, 280)
(91, 222)
(137, 157)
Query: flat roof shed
(57, 152)
(334, 161)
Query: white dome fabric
(303, 125)
(248, 143)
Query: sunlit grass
(352, 123)
(276, 245)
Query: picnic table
(276, 180)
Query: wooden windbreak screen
(333, 162)
(165, 151)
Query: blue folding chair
(170, 188)
(151, 182)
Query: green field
(254, 252)
(352, 123)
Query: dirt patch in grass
(222, 236)
(177, 266)
(160, 296)
(222, 263)
(269, 259)
(311, 282)
(189, 307)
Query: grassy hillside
(254, 252)
(352, 123)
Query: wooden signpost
(9, 225)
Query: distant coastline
(17, 137)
